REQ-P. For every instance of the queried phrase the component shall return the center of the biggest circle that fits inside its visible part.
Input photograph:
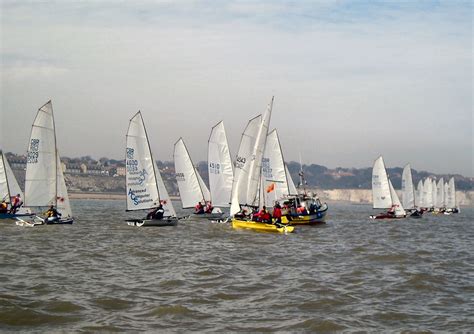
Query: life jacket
(276, 212)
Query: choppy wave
(353, 274)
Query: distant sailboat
(192, 189)
(451, 205)
(408, 192)
(419, 199)
(44, 179)
(145, 188)
(248, 187)
(383, 193)
(8, 188)
(221, 173)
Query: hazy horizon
(351, 80)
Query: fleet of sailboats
(257, 179)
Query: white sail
(4, 190)
(190, 190)
(434, 193)
(40, 178)
(291, 184)
(8, 184)
(440, 194)
(380, 186)
(255, 168)
(205, 191)
(399, 211)
(221, 174)
(419, 199)
(451, 202)
(408, 193)
(446, 194)
(249, 162)
(275, 182)
(428, 193)
(142, 189)
(242, 164)
(164, 196)
(62, 201)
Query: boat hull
(309, 219)
(14, 215)
(212, 216)
(166, 221)
(386, 216)
(261, 227)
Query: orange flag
(270, 188)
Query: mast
(55, 160)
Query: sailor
(277, 213)
(156, 213)
(208, 207)
(264, 216)
(16, 203)
(199, 209)
(52, 214)
(3, 207)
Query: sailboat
(451, 206)
(428, 194)
(8, 188)
(384, 195)
(221, 173)
(279, 186)
(145, 188)
(408, 193)
(192, 189)
(44, 180)
(247, 188)
(419, 199)
(439, 203)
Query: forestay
(220, 169)
(142, 189)
(408, 193)
(62, 200)
(41, 163)
(190, 189)
(380, 186)
(163, 193)
(291, 184)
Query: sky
(352, 80)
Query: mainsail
(141, 181)
(221, 173)
(275, 180)
(451, 202)
(191, 189)
(440, 194)
(380, 186)
(41, 164)
(428, 193)
(408, 193)
(419, 199)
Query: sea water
(352, 274)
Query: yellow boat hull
(262, 227)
